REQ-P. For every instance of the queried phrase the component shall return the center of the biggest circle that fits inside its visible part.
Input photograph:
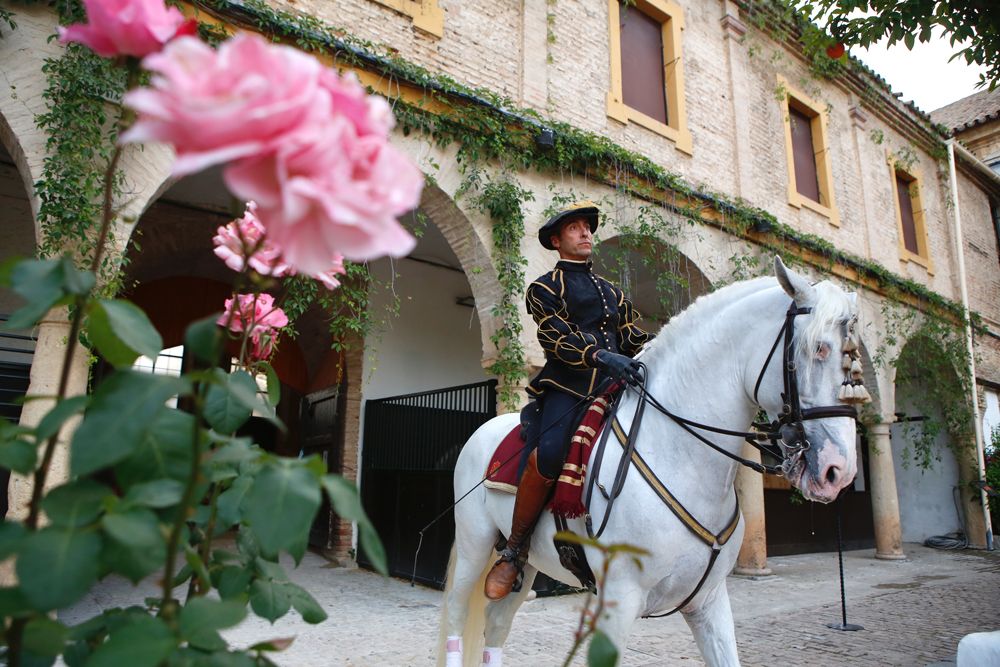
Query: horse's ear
(794, 285)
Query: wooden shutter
(806, 181)
(906, 215)
(643, 87)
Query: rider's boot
(532, 494)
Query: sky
(923, 75)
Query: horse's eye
(822, 351)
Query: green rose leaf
(144, 641)
(120, 417)
(14, 604)
(197, 566)
(157, 493)
(165, 452)
(57, 416)
(602, 653)
(45, 637)
(346, 502)
(233, 582)
(281, 505)
(75, 504)
(305, 604)
(136, 547)
(269, 600)
(202, 618)
(226, 406)
(56, 566)
(273, 384)
(11, 535)
(121, 332)
(230, 501)
(203, 339)
(18, 455)
(44, 283)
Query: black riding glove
(619, 366)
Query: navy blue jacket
(577, 313)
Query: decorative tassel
(849, 344)
(861, 394)
(842, 395)
(856, 370)
(845, 363)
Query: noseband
(786, 435)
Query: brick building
(730, 116)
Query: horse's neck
(703, 380)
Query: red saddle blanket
(567, 501)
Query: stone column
(46, 367)
(885, 500)
(972, 506)
(752, 560)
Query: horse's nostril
(831, 474)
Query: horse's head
(820, 451)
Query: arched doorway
(17, 239)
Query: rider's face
(575, 240)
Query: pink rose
(217, 106)
(256, 315)
(327, 190)
(244, 242)
(127, 27)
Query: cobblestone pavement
(914, 612)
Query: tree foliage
(971, 26)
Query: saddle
(503, 473)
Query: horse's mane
(832, 305)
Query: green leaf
(14, 604)
(157, 493)
(225, 406)
(233, 582)
(203, 339)
(43, 284)
(120, 417)
(281, 505)
(602, 653)
(45, 637)
(346, 502)
(142, 642)
(11, 535)
(279, 644)
(272, 571)
(269, 600)
(230, 501)
(75, 504)
(164, 452)
(56, 566)
(18, 455)
(137, 546)
(197, 566)
(122, 332)
(201, 618)
(273, 383)
(305, 604)
(57, 416)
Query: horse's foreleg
(462, 621)
(500, 616)
(712, 626)
(622, 604)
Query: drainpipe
(960, 242)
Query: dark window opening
(806, 177)
(643, 85)
(995, 215)
(906, 214)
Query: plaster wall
(433, 343)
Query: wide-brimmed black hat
(584, 209)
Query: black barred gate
(408, 456)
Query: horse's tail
(473, 637)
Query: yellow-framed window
(647, 71)
(910, 217)
(810, 178)
(426, 14)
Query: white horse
(704, 366)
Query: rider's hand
(619, 366)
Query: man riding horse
(588, 331)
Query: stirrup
(517, 559)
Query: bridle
(785, 437)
